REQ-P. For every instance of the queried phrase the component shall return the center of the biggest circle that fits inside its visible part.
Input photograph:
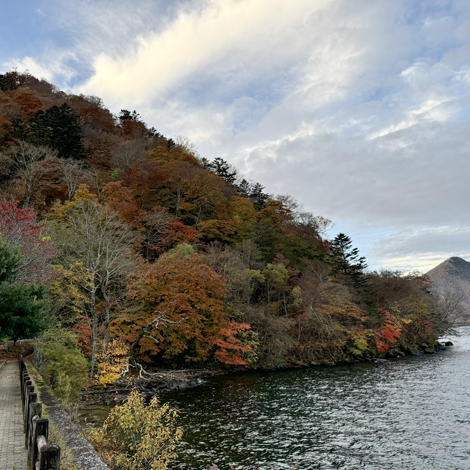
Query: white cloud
(30, 64)
(230, 40)
(422, 248)
(431, 110)
(46, 70)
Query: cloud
(231, 43)
(359, 109)
(423, 248)
(30, 64)
(46, 70)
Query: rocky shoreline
(158, 382)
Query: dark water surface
(412, 413)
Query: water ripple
(412, 413)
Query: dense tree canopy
(156, 256)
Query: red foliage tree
(230, 349)
(84, 332)
(175, 234)
(387, 334)
(19, 227)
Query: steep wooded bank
(157, 257)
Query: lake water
(411, 413)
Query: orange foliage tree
(182, 309)
(6, 131)
(142, 178)
(28, 102)
(120, 199)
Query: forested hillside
(157, 257)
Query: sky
(359, 109)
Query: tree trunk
(107, 319)
(94, 333)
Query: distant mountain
(450, 281)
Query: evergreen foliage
(344, 259)
(126, 115)
(7, 82)
(59, 128)
(222, 168)
(23, 307)
(61, 364)
(10, 261)
(22, 311)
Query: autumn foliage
(138, 436)
(112, 362)
(230, 349)
(387, 335)
(189, 294)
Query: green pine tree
(345, 260)
(58, 127)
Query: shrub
(61, 364)
(137, 436)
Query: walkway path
(13, 455)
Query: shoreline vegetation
(169, 380)
(125, 252)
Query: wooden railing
(41, 455)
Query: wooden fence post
(31, 397)
(40, 428)
(35, 410)
(24, 378)
(49, 457)
(32, 443)
(28, 383)
(21, 363)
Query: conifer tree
(344, 259)
(58, 127)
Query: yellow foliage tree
(136, 436)
(67, 291)
(112, 362)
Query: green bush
(61, 364)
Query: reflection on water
(412, 413)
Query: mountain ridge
(450, 283)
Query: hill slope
(450, 281)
